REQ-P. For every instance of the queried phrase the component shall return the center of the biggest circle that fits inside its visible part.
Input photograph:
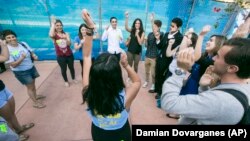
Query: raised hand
(152, 16)
(87, 18)
(205, 29)
(209, 78)
(53, 19)
(2, 43)
(126, 14)
(185, 59)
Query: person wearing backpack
(216, 105)
(21, 64)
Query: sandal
(40, 97)
(39, 106)
(25, 127)
(23, 137)
(173, 116)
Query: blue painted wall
(29, 19)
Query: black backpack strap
(32, 59)
(240, 96)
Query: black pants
(161, 73)
(81, 63)
(123, 134)
(63, 63)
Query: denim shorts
(27, 76)
(5, 96)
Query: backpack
(31, 57)
(242, 98)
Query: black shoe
(151, 91)
(157, 96)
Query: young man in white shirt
(114, 36)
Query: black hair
(59, 21)
(239, 55)
(158, 23)
(194, 38)
(8, 32)
(112, 19)
(133, 29)
(105, 85)
(79, 30)
(177, 21)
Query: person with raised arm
(64, 53)
(107, 98)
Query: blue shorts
(5, 96)
(27, 76)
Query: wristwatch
(179, 71)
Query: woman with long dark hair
(107, 98)
(135, 41)
(64, 54)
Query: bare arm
(184, 41)
(4, 56)
(243, 30)
(126, 22)
(134, 88)
(68, 39)
(87, 48)
(19, 61)
(140, 39)
(52, 28)
(78, 46)
(198, 46)
(152, 16)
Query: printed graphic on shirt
(62, 43)
(112, 120)
(16, 54)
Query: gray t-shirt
(208, 107)
(6, 134)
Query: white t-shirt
(16, 53)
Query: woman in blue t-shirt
(104, 92)
(78, 43)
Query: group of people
(188, 83)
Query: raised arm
(152, 18)
(170, 52)
(4, 56)
(198, 46)
(126, 22)
(134, 88)
(87, 47)
(243, 30)
(183, 44)
(52, 27)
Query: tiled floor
(65, 118)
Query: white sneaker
(66, 84)
(75, 81)
(152, 87)
(145, 84)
